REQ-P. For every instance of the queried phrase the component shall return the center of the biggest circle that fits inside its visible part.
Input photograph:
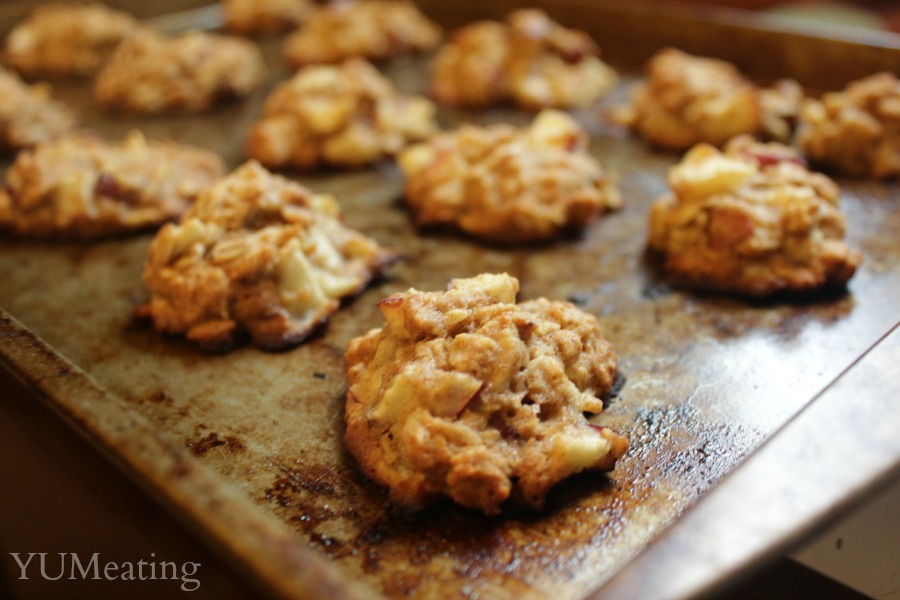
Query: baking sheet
(707, 378)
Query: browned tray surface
(246, 447)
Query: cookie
(29, 114)
(256, 257)
(67, 39)
(150, 73)
(751, 220)
(855, 131)
(528, 59)
(256, 17)
(553, 66)
(686, 100)
(466, 394)
(372, 29)
(81, 186)
(470, 69)
(344, 115)
(505, 185)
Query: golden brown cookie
(257, 256)
(372, 29)
(506, 185)
(751, 220)
(686, 100)
(855, 131)
(81, 186)
(529, 59)
(553, 66)
(466, 394)
(470, 69)
(345, 115)
(67, 39)
(29, 114)
(256, 17)
(149, 73)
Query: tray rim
(679, 557)
(253, 542)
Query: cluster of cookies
(69, 182)
(136, 69)
(751, 218)
(463, 393)
(687, 100)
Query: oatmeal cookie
(372, 29)
(470, 69)
(469, 395)
(686, 100)
(81, 186)
(344, 115)
(149, 73)
(855, 131)
(67, 39)
(257, 256)
(254, 17)
(751, 220)
(529, 59)
(508, 186)
(29, 114)
(552, 66)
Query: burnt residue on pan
(448, 549)
(229, 444)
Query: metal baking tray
(245, 448)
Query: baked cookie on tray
(505, 185)
(469, 395)
(67, 39)
(81, 186)
(258, 257)
(855, 131)
(686, 100)
(751, 220)
(344, 115)
(529, 59)
(150, 73)
(29, 114)
(256, 17)
(371, 29)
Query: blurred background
(871, 14)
